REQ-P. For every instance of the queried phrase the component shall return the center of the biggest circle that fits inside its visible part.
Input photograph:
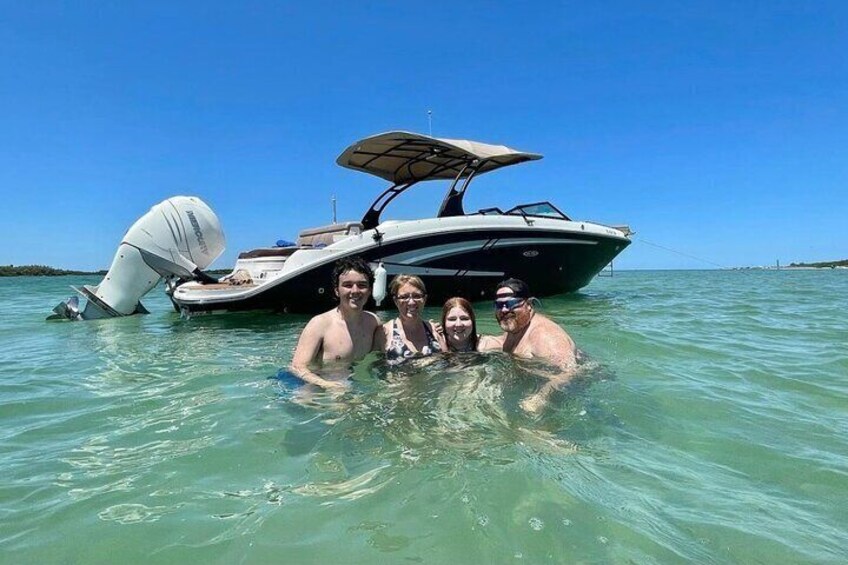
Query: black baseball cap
(518, 287)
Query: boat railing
(625, 229)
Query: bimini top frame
(405, 159)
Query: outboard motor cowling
(178, 237)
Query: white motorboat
(456, 252)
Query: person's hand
(336, 386)
(438, 328)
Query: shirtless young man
(533, 336)
(345, 334)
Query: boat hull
(466, 263)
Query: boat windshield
(543, 209)
(536, 209)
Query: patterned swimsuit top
(399, 351)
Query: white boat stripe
(419, 256)
(412, 270)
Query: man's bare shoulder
(545, 328)
(372, 319)
(548, 340)
(322, 321)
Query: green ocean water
(711, 426)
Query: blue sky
(716, 130)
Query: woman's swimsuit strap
(398, 350)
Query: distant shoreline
(41, 271)
(822, 265)
(45, 271)
(842, 264)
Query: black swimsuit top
(398, 350)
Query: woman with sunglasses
(460, 328)
(408, 335)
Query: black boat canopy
(406, 158)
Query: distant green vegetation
(823, 264)
(40, 271)
(45, 271)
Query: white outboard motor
(177, 238)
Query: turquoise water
(711, 427)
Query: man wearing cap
(533, 336)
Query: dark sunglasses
(510, 303)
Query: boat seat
(267, 252)
(327, 235)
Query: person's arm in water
(489, 343)
(386, 340)
(307, 350)
(558, 349)
(379, 339)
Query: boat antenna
(430, 121)
(334, 208)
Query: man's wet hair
(355, 263)
(518, 287)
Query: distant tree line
(45, 271)
(40, 271)
(823, 264)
